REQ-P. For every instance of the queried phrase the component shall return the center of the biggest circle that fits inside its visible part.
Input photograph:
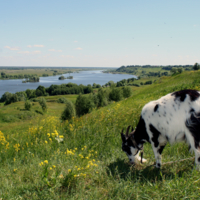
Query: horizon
(99, 34)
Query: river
(83, 77)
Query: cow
(172, 118)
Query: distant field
(37, 71)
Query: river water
(83, 77)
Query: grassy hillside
(82, 158)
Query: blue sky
(99, 33)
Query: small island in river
(32, 79)
(62, 77)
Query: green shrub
(115, 94)
(27, 115)
(69, 111)
(27, 105)
(84, 105)
(62, 100)
(102, 98)
(148, 83)
(196, 66)
(42, 102)
(127, 92)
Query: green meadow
(45, 158)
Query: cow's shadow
(121, 169)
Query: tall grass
(82, 158)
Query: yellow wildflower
(7, 145)
(16, 146)
(46, 161)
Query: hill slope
(82, 159)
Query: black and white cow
(172, 118)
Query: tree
(61, 78)
(174, 70)
(3, 74)
(180, 70)
(69, 111)
(40, 91)
(83, 105)
(115, 94)
(27, 105)
(42, 102)
(196, 66)
(127, 92)
(102, 98)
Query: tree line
(85, 104)
(63, 89)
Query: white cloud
(67, 56)
(75, 41)
(12, 48)
(24, 52)
(78, 48)
(29, 53)
(55, 50)
(29, 46)
(36, 52)
(38, 45)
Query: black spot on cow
(156, 108)
(158, 164)
(194, 95)
(167, 138)
(126, 149)
(199, 159)
(192, 110)
(156, 135)
(141, 134)
(193, 124)
(161, 149)
(184, 137)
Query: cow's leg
(197, 158)
(158, 143)
(157, 153)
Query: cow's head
(129, 145)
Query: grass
(43, 158)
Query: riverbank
(83, 77)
